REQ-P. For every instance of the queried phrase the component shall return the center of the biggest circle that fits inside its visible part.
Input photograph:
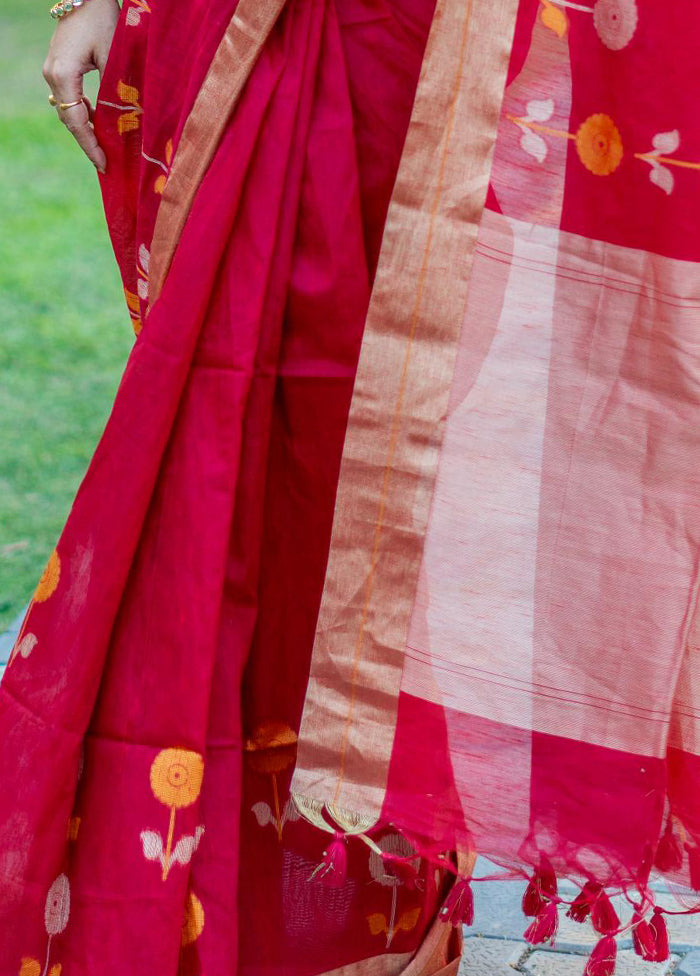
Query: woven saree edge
(399, 405)
(223, 85)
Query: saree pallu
(172, 629)
(506, 659)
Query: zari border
(230, 68)
(399, 405)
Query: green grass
(64, 330)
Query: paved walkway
(495, 946)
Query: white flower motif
(616, 22)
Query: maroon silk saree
(452, 591)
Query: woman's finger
(76, 117)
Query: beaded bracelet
(64, 7)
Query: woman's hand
(80, 44)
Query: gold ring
(62, 106)
(53, 100)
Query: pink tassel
(402, 869)
(603, 916)
(333, 868)
(603, 958)
(581, 907)
(542, 887)
(643, 938)
(459, 905)
(669, 856)
(544, 928)
(694, 866)
(660, 933)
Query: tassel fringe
(603, 958)
(459, 907)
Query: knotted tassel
(669, 855)
(643, 938)
(603, 958)
(544, 928)
(541, 888)
(603, 916)
(660, 934)
(581, 906)
(402, 869)
(459, 905)
(333, 868)
(694, 866)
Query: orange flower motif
(159, 185)
(134, 306)
(176, 780)
(193, 922)
(176, 777)
(30, 967)
(554, 18)
(129, 95)
(599, 144)
(73, 828)
(272, 747)
(49, 579)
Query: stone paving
(495, 946)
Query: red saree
(173, 627)
(487, 533)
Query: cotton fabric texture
(316, 633)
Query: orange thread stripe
(399, 402)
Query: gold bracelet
(65, 7)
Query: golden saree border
(228, 72)
(439, 954)
(399, 405)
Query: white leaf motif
(133, 16)
(142, 289)
(186, 846)
(27, 645)
(145, 258)
(662, 177)
(152, 845)
(263, 814)
(57, 907)
(291, 812)
(666, 142)
(534, 145)
(540, 110)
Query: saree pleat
(175, 621)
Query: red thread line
(460, 668)
(540, 694)
(619, 291)
(595, 277)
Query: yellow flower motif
(49, 579)
(599, 145)
(272, 747)
(193, 922)
(176, 777)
